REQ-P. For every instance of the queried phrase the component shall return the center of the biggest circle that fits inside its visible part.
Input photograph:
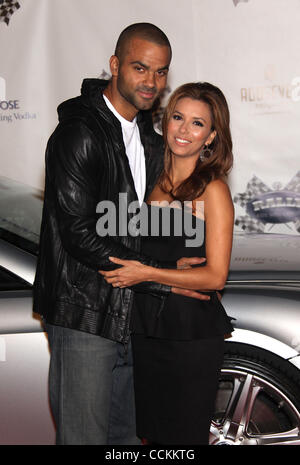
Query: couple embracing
(135, 324)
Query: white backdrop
(249, 48)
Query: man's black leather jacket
(86, 163)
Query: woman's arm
(219, 217)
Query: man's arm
(182, 263)
(75, 173)
(219, 228)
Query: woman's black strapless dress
(178, 346)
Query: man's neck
(124, 108)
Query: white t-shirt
(134, 151)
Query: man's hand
(190, 293)
(184, 263)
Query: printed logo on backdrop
(10, 108)
(268, 209)
(271, 95)
(158, 108)
(236, 2)
(7, 9)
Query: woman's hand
(131, 272)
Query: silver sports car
(259, 396)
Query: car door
(25, 416)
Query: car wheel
(258, 401)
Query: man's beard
(131, 97)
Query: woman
(178, 343)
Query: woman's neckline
(154, 203)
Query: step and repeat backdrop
(249, 48)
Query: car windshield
(20, 214)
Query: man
(103, 145)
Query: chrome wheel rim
(253, 411)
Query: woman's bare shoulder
(217, 185)
(216, 189)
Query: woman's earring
(205, 153)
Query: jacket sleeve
(76, 170)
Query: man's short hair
(145, 31)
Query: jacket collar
(92, 92)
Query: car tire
(258, 401)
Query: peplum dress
(177, 342)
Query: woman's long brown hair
(215, 166)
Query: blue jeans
(91, 388)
